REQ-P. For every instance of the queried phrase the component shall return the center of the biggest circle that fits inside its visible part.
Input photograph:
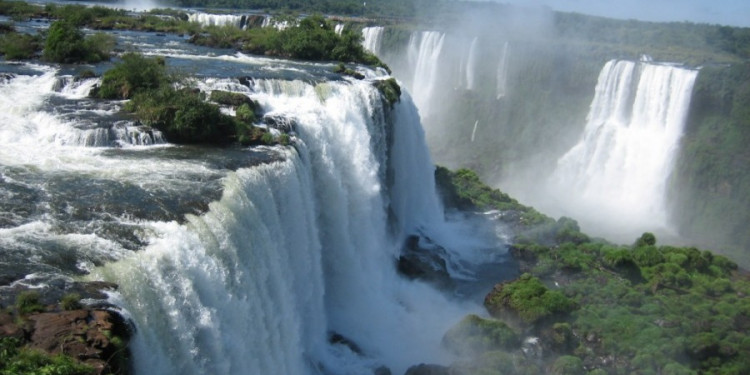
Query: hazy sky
(724, 12)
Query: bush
(66, 44)
(390, 89)
(528, 298)
(19, 46)
(567, 365)
(183, 116)
(71, 302)
(134, 74)
(474, 335)
(27, 302)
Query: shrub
(19, 46)
(183, 116)
(528, 298)
(390, 89)
(475, 335)
(134, 74)
(28, 302)
(71, 301)
(66, 44)
(567, 365)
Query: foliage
(527, 297)
(182, 115)
(475, 335)
(71, 302)
(65, 43)
(16, 360)
(20, 46)
(390, 89)
(643, 308)
(27, 302)
(132, 75)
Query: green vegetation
(28, 302)
(182, 114)
(65, 43)
(644, 308)
(71, 302)
(711, 183)
(20, 46)
(312, 38)
(464, 190)
(527, 298)
(15, 359)
(390, 89)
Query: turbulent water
(624, 158)
(237, 260)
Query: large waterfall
(621, 165)
(296, 249)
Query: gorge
(336, 251)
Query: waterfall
(373, 37)
(502, 72)
(296, 249)
(206, 19)
(471, 64)
(621, 164)
(339, 28)
(424, 56)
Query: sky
(723, 12)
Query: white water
(471, 64)
(619, 169)
(339, 28)
(373, 37)
(502, 72)
(423, 53)
(206, 19)
(297, 248)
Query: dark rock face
(425, 369)
(421, 259)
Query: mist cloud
(724, 12)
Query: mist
(722, 12)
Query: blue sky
(724, 12)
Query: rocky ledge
(91, 338)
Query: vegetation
(28, 302)
(15, 359)
(644, 308)
(71, 302)
(183, 114)
(65, 43)
(20, 46)
(312, 38)
(390, 89)
(711, 186)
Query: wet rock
(422, 259)
(426, 369)
(281, 123)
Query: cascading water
(502, 71)
(471, 64)
(373, 37)
(424, 53)
(621, 165)
(206, 19)
(295, 249)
